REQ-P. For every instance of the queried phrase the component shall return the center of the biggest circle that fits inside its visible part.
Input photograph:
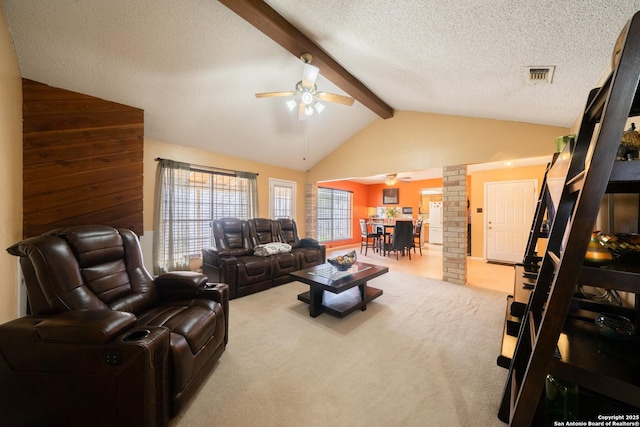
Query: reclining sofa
(105, 344)
(257, 254)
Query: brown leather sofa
(233, 258)
(106, 345)
(306, 250)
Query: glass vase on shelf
(597, 255)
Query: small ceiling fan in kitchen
(307, 97)
(393, 178)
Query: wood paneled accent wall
(82, 161)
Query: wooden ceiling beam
(266, 19)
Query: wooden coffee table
(325, 277)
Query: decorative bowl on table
(614, 326)
(621, 244)
(343, 262)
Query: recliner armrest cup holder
(137, 335)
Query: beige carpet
(423, 354)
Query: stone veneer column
(454, 224)
(311, 210)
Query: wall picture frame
(390, 196)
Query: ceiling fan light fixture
(306, 97)
(308, 110)
(292, 104)
(391, 179)
(307, 94)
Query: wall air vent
(539, 74)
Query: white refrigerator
(435, 222)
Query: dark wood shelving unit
(597, 363)
(525, 274)
(509, 335)
(557, 334)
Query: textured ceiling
(194, 66)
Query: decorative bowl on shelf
(614, 326)
(621, 244)
(343, 262)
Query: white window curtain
(171, 236)
(252, 196)
(188, 198)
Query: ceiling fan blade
(301, 113)
(332, 97)
(309, 76)
(268, 94)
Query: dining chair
(402, 238)
(367, 239)
(417, 230)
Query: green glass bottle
(561, 398)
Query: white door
(282, 199)
(509, 211)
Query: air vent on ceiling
(539, 74)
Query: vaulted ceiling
(195, 65)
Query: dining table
(384, 231)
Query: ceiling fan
(392, 179)
(306, 95)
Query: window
(189, 199)
(334, 214)
(210, 196)
(282, 199)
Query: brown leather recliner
(106, 345)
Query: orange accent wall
(365, 196)
(408, 193)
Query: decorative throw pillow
(272, 249)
